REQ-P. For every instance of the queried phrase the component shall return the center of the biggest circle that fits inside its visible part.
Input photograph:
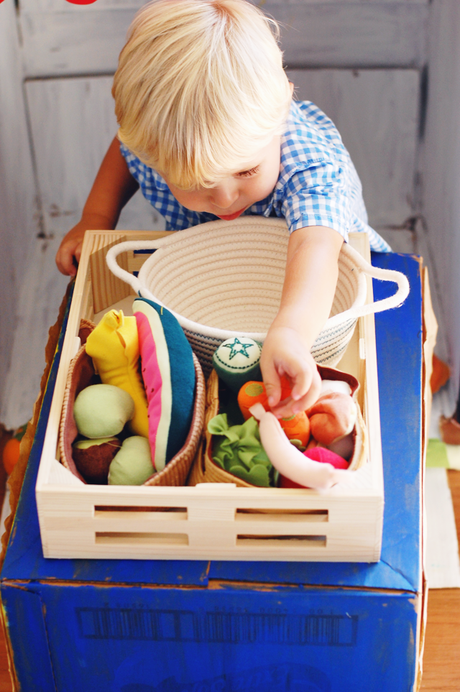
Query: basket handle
(133, 281)
(393, 301)
(359, 311)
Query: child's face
(235, 193)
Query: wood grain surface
(441, 661)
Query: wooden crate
(209, 521)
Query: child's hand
(68, 255)
(284, 353)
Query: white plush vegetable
(288, 460)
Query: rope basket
(224, 279)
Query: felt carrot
(296, 427)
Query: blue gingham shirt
(317, 186)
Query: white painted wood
(376, 112)
(74, 523)
(18, 220)
(441, 174)
(59, 6)
(72, 124)
(29, 6)
(352, 35)
(313, 34)
(400, 240)
(36, 6)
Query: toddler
(208, 129)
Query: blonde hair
(200, 88)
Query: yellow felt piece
(114, 347)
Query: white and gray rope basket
(224, 279)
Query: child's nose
(224, 195)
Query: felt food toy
(93, 457)
(332, 417)
(237, 360)
(325, 456)
(114, 348)
(102, 410)
(168, 373)
(238, 450)
(288, 460)
(335, 386)
(133, 464)
(296, 427)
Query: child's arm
(112, 189)
(308, 293)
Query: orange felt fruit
(296, 427)
(251, 393)
(332, 417)
(11, 454)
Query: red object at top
(81, 2)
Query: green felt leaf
(262, 458)
(238, 450)
(258, 475)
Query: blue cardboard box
(197, 626)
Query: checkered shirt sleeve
(318, 183)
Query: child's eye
(247, 174)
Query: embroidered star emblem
(236, 346)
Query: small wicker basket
(224, 279)
(204, 470)
(81, 374)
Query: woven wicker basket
(204, 470)
(81, 374)
(224, 279)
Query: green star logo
(236, 346)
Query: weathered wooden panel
(18, 226)
(61, 5)
(73, 123)
(371, 34)
(376, 112)
(440, 242)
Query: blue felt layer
(399, 352)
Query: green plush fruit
(93, 458)
(133, 464)
(102, 410)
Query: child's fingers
(272, 383)
(306, 388)
(67, 258)
(308, 398)
(64, 262)
(273, 389)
